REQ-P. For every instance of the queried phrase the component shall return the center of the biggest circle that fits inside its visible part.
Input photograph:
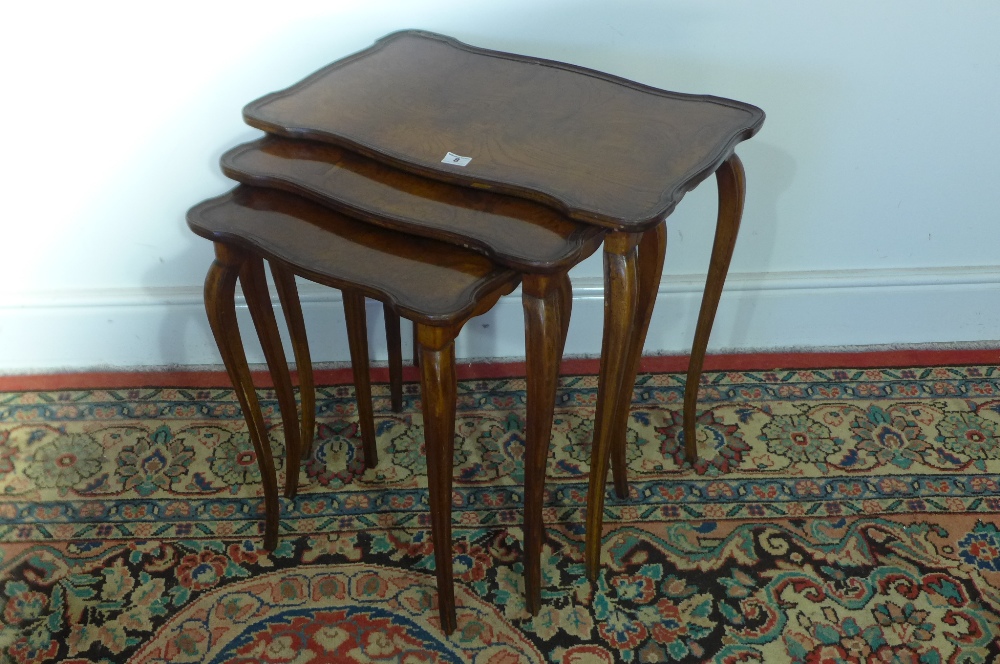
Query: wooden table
(437, 286)
(539, 243)
(603, 150)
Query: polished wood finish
(220, 305)
(394, 344)
(600, 148)
(514, 232)
(248, 224)
(732, 191)
(259, 303)
(442, 283)
(565, 307)
(357, 340)
(511, 231)
(603, 150)
(542, 299)
(416, 355)
(288, 296)
(284, 282)
(620, 302)
(438, 380)
(535, 240)
(651, 252)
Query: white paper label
(456, 160)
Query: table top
(602, 149)
(424, 280)
(515, 232)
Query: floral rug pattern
(833, 516)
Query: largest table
(601, 149)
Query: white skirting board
(119, 330)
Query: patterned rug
(836, 516)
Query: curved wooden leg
(565, 287)
(395, 346)
(652, 249)
(357, 339)
(220, 305)
(259, 303)
(436, 347)
(732, 190)
(288, 294)
(620, 300)
(416, 355)
(541, 297)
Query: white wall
(870, 219)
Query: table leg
(565, 308)
(357, 339)
(288, 294)
(259, 302)
(220, 305)
(394, 345)
(652, 249)
(542, 297)
(438, 389)
(416, 355)
(732, 190)
(620, 302)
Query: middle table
(605, 151)
(538, 242)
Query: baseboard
(119, 329)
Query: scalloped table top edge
(602, 149)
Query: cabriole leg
(620, 301)
(436, 350)
(220, 305)
(732, 190)
(288, 294)
(259, 302)
(541, 297)
(394, 343)
(652, 249)
(357, 339)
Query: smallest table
(437, 286)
